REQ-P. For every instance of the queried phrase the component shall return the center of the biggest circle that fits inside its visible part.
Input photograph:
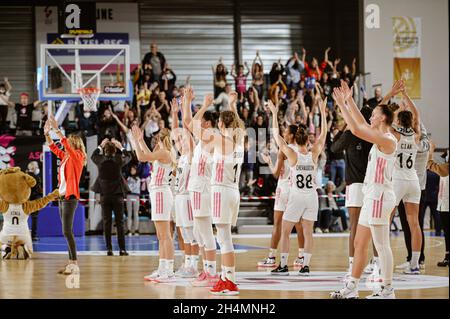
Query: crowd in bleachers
(295, 85)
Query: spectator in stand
(373, 102)
(129, 120)
(86, 120)
(277, 90)
(315, 70)
(162, 107)
(107, 126)
(143, 97)
(240, 79)
(221, 101)
(329, 208)
(258, 75)
(133, 203)
(36, 192)
(277, 72)
(167, 81)
(5, 93)
(220, 78)
(151, 124)
(246, 117)
(156, 60)
(294, 69)
(24, 109)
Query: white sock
(229, 273)
(187, 260)
(415, 259)
(272, 253)
(169, 265)
(350, 264)
(194, 261)
(205, 265)
(307, 259)
(284, 259)
(211, 267)
(162, 264)
(301, 252)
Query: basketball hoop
(89, 95)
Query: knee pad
(224, 239)
(188, 236)
(205, 232)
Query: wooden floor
(122, 277)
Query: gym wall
(378, 57)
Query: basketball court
(72, 69)
(122, 277)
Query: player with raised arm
(228, 156)
(379, 196)
(161, 197)
(303, 201)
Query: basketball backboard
(65, 68)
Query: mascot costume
(15, 190)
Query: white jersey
(379, 172)
(406, 156)
(227, 168)
(200, 174)
(443, 195)
(303, 174)
(283, 179)
(182, 178)
(161, 175)
(15, 221)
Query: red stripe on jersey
(187, 180)
(374, 205)
(383, 166)
(381, 206)
(190, 217)
(201, 166)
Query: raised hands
(348, 92)
(323, 106)
(137, 133)
(174, 107)
(208, 99)
(117, 144)
(272, 108)
(103, 143)
(339, 97)
(232, 97)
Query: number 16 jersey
(303, 174)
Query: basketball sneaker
(383, 293)
(298, 262)
(422, 265)
(189, 272)
(280, 271)
(369, 267)
(411, 271)
(304, 271)
(348, 292)
(443, 263)
(69, 270)
(152, 276)
(375, 276)
(225, 288)
(7, 253)
(403, 266)
(268, 262)
(164, 277)
(205, 280)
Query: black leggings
(445, 218)
(67, 209)
(407, 231)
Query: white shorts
(408, 191)
(225, 205)
(281, 197)
(162, 201)
(183, 211)
(376, 211)
(354, 196)
(301, 206)
(201, 203)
